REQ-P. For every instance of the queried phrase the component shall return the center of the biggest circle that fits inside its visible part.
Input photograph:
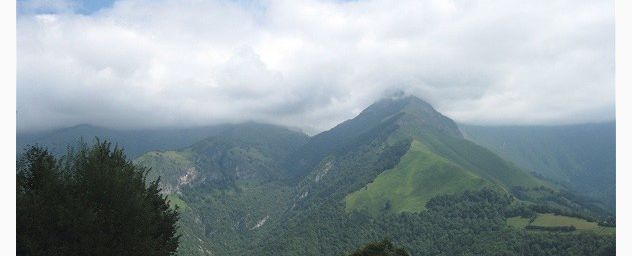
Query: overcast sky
(310, 64)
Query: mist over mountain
(310, 64)
(399, 169)
(316, 127)
(135, 142)
(581, 157)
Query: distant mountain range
(258, 189)
(135, 142)
(580, 157)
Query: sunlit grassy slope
(419, 176)
(479, 161)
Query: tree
(92, 202)
(383, 248)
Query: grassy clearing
(518, 222)
(552, 220)
(175, 200)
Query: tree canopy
(382, 248)
(91, 202)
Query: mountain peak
(394, 105)
(413, 111)
(408, 116)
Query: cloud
(313, 64)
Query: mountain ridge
(252, 189)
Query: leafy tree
(92, 202)
(383, 248)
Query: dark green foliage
(562, 244)
(248, 151)
(227, 219)
(546, 200)
(471, 223)
(552, 229)
(486, 204)
(520, 209)
(92, 202)
(382, 248)
(608, 222)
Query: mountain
(376, 115)
(399, 153)
(580, 157)
(135, 142)
(399, 169)
(266, 190)
(435, 158)
(228, 185)
(243, 152)
(380, 174)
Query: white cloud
(312, 64)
